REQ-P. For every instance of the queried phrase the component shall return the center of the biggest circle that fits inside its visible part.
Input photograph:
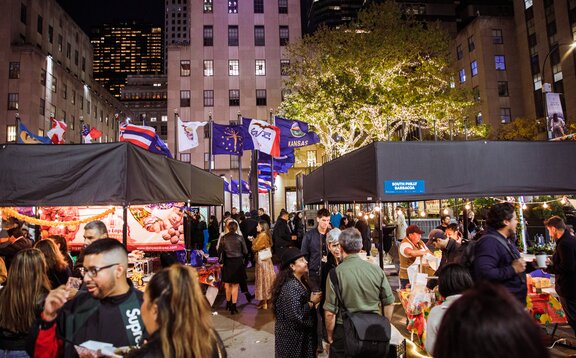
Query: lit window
(311, 158)
(208, 68)
(184, 68)
(232, 6)
(537, 78)
(11, 133)
(479, 118)
(474, 68)
(233, 67)
(557, 71)
(462, 75)
(500, 62)
(527, 4)
(260, 67)
(207, 6)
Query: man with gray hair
(364, 288)
(94, 230)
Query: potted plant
(541, 252)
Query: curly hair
(498, 213)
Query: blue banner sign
(404, 187)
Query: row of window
(499, 63)
(497, 39)
(233, 68)
(60, 39)
(208, 6)
(233, 98)
(233, 35)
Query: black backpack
(366, 334)
(468, 249)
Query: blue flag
(227, 139)
(25, 136)
(282, 163)
(294, 134)
(234, 186)
(159, 147)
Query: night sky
(90, 13)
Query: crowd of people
(310, 279)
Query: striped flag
(145, 137)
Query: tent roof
(443, 170)
(100, 174)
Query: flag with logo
(89, 135)
(145, 137)
(56, 133)
(261, 136)
(25, 136)
(294, 134)
(227, 139)
(187, 134)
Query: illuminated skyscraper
(126, 48)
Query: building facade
(234, 66)
(177, 24)
(487, 62)
(47, 69)
(146, 97)
(125, 48)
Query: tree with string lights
(382, 77)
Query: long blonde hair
(54, 259)
(184, 318)
(25, 289)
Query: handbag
(366, 334)
(264, 254)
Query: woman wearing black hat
(294, 307)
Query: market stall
(123, 181)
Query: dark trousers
(337, 346)
(569, 306)
(404, 282)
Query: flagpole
(176, 134)
(254, 202)
(210, 142)
(240, 188)
(231, 195)
(272, 175)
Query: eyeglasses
(93, 271)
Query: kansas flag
(227, 139)
(294, 134)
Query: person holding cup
(294, 308)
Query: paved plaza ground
(251, 333)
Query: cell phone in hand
(74, 282)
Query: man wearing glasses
(109, 311)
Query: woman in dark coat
(213, 236)
(232, 249)
(294, 308)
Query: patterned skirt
(264, 280)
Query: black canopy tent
(100, 174)
(415, 171)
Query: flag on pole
(261, 136)
(234, 186)
(227, 139)
(294, 134)
(56, 133)
(187, 135)
(90, 134)
(144, 137)
(25, 136)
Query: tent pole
(125, 225)
(380, 236)
(408, 214)
(176, 156)
(465, 222)
(272, 180)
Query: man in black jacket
(108, 312)
(314, 247)
(281, 235)
(563, 266)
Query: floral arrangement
(546, 249)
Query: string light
(357, 207)
(467, 206)
(423, 214)
(545, 205)
(377, 208)
(371, 216)
(563, 200)
(366, 217)
(524, 206)
(360, 214)
(445, 211)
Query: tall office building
(125, 48)
(46, 68)
(234, 65)
(177, 25)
